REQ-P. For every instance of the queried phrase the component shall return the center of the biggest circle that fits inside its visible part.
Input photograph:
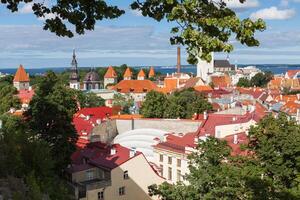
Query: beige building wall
(141, 175)
(174, 166)
(226, 130)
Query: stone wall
(169, 125)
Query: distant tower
(204, 68)
(141, 75)
(21, 79)
(74, 76)
(110, 76)
(178, 60)
(151, 73)
(128, 74)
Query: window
(161, 158)
(170, 173)
(178, 175)
(178, 163)
(125, 175)
(161, 170)
(170, 160)
(90, 175)
(122, 191)
(100, 195)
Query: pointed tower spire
(74, 75)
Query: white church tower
(74, 76)
(204, 68)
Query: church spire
(74, 61)
(74, 75)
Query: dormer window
(145, 90)
(131, 89)
(125, 175)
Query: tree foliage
(270, 171)
(8, 96)
(259, 80)
(50, 117)
(181, 104)
(203, 26)
(89, 100)
(154, 105)
(124, 102)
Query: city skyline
(138, 41)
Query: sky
(138, 41)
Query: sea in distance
(275, 68)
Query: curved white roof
(141, 139)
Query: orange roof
(201, 88)
(275, 83)
(141, 73)
(127, 73)
(292, 73)
(110, 73)
(220, 81)
(151, 72)
(135, 86)
(21, 75)
(125, 116)
(286, 98)
(290, 107)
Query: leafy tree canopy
(154, 105)
(181, 104)
(50, 117)
(8, 96)
(124, 102)
(259, 80)
(203, 26)
(270, 171)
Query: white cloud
(235, 4)
(26, 8)
(137, 13)
(273, 13)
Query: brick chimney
(178, 60)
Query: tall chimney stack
(178, 60)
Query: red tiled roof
(242, 138)
(255, 92)
(178, 143)
(290, 107)
(141, 73)
(203, 88)
(84, 125)
(286, 98)
(25, 96)
(110, 73)
(135, 86)
(99, 154)
(292, 73)
(218, 93)
(127, 73)
(21, 75)
(213, 120)
(220, 81)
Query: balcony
(82, 188)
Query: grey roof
(221, 63)
(92, 77)
(276, 107)
(222, 101)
